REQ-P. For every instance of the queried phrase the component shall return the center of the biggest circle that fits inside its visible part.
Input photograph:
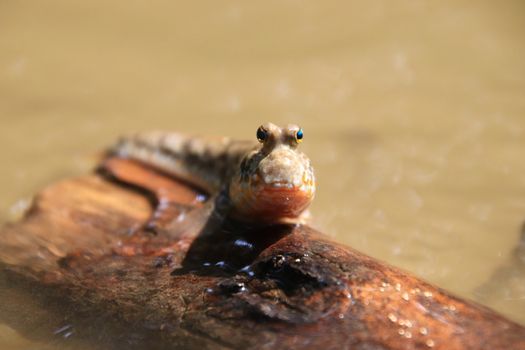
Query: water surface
(413, 113)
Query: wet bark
(89, 272)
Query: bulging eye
(299, 135)
(262, 134)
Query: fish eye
(262, 134)
(299, 135)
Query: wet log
(88, 272)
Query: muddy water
(413, 111)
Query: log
(89, 272)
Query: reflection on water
(413, 112)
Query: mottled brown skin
(275, 182)
(268, 182)
(83, 277)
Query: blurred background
(413, 111)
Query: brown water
(414, 113)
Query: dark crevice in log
(216, 284)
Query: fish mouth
(274, 201)
(304, 182)
(273, 186)
(280, 200)
(281, 184)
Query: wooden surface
(89, 273)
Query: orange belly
(269, 203)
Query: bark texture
(88, 271)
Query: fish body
(266, 181)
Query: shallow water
(413, 111)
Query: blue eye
(261, 134)
(299, 135)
